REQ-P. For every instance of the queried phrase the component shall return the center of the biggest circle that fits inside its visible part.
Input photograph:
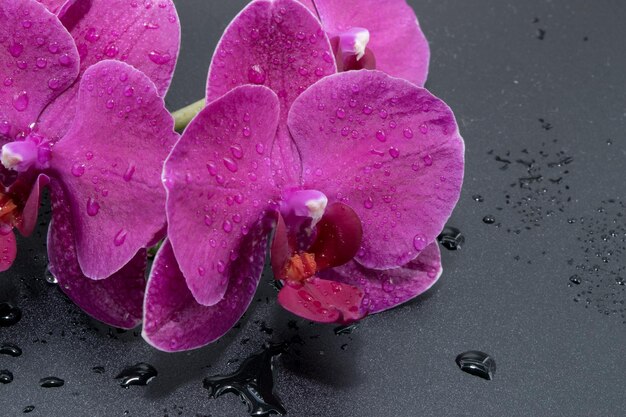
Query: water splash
(253, 382)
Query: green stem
(183, 116)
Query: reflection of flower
(382, 166)
(97, 131)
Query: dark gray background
(502, 66)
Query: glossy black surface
(535, 81)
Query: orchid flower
(75, 117)
(374, 34)
(382, 169)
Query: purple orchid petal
(280, 250)
(218, 182)
(38, 61)
(338, 237)
(31, 208)
(117, 300)
(54, 6)
(145, 35)
(279, 44)
(396, 40)
(110, 165)
(390, 150)
(174, 321)
(8, 248)
(322, 301)
(389, 288)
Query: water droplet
(129, 91)
(246, 131)
(380, 135)
(383, 114)
(51, 382)
(111, 50)
(341, 113)
(303, 71)
(10, 349)
(120, 237)
(368, 203)
(408, 133)
(489, 219)
(477, 363)
(451, 238)
(130, 171)
(92, 207)
(54, 48)
(428, 160)
(230, 164)
(151, 26)
(92, 35)
(394, 152)
(253, 381)
(478, 198)
(575, 279)
(16, 49)
(159, 58)
(65, 60)
(9, 315)
(423, 128)
(41, 63)
(28, 408)
(367, 109)
(54, 83)
(260, 148)
(227, 226)
(139, 374)
(20, 101)
(419, 243)
(237, 151)
(6, 376)
(78, 169)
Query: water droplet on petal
(256, 74)
(78, 169)
(394, 152)
(20, 101)
(419, 243)
(368, 203)
(227, 226)
(428, 160)
(92, 207)
(130, 171)
(380, 135)
(120, 237)
(159, 58)
(408, 133)
(230, 164)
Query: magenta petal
(110, 164)
(281, 250)
(38, 61)
(322, 301)
(218, 183)
(398, 44)
(8, 248)
(117, 300)
(389, 288)
(394, 154)
(174, 321)
(54, 6)
(145, 35)
(279, 44)
(31, 208)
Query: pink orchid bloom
(374, 34)
(356, 173)
(365, 211)
(75, 117)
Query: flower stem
(183, 116)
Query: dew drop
(419, 243)
(408, 133)
(477, 363)
(111, 50)
(159, 58)
(230, 164)
(54, 83)
(227, 226)
(9, 315)
(92, 207)
(51, 382)
(451, 238)
(120, 237)
(237, 151)
(380, 135)
(341, 113)
(6, 376)
(78, 169)
(260, 148)
(10, 350)
(139, 374)
(394, 152)
(489, 219)
(130, 171)
(16, 49)
(20, 101)
(428, 160)
(368, 203)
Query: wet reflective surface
(506, 292)
(477, 363)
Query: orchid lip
(303, 205)
(22, 155)
(354, 42)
